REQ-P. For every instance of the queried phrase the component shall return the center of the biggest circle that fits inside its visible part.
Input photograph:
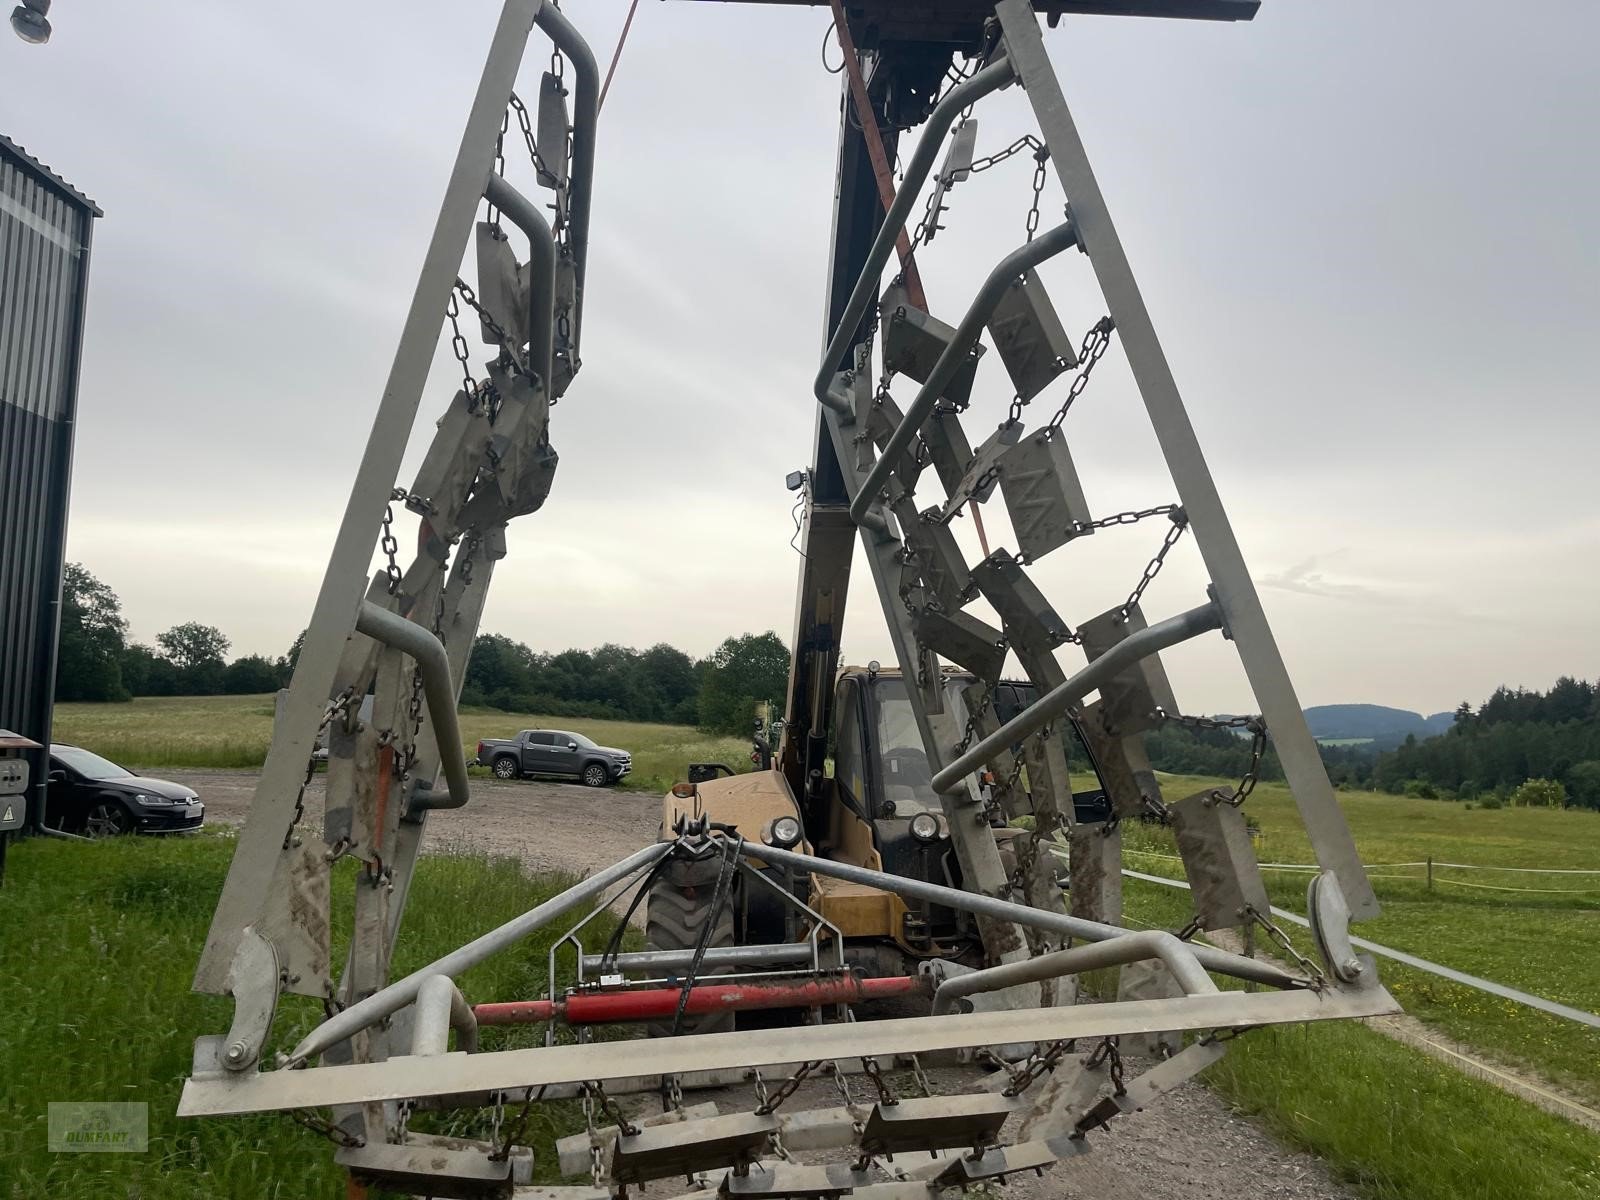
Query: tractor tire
(675, 913)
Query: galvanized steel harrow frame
(405, 635)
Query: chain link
(767, 1105)
(458, 347)
(1310, 967)
(1258, 745)
(391, 548)
(1094, 347)
(611, 1108)
(597, 1168)
(526, 125)
(978, 710)
(886, 1094)
(507, 346)
(325, 1127)
(1026, 142)
(1039, 1064)
(921, 1076)
(339, 704)
(1180, 522)
(1040, 157)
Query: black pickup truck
(554, 752)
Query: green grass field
(234, 731)
(100, 941)
(100, 945)
(1541, 942)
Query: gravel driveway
(1187, 1146)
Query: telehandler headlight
(925, 827)
(783, 832)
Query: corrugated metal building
(45, 227)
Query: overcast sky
(1365, 231)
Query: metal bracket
(253, 984)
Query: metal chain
(1026, 142)
(843, 1085)
(611, 1108)
(526, 125)
(458, 346)
(326, 1128)
(1094, 347)
(518, 1127)
(1310, 967)
(930, 219)
(1108, 1049)
(390, 547)
(494, 326)
(671, 1094)
(336, 706)
(978, 710)
(1039, 1064)
(921, 1077)
(886, 1095)
(1132, 517)
(597, 1170)
(1180, 522)
(1040, 157)
(1258, 745)
(767, 1105)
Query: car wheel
(595, 775)
(107, 819)
(505, 768)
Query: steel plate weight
(1218, 860)
(1043, 493)
(1031, 340)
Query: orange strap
(875, 151)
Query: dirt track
(1188, 1146)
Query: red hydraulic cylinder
(651, 1004)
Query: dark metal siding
(45, 230)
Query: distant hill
(1375, 726)
(1385, 726)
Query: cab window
(903, 763)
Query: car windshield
(90, 766)
(907, 781)
(582, 741)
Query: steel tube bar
(1552, 1007)
(1023, 258)
(491, 1071)
(1236, 592)
(585, 120)
(1212, 959)
(428, 651)
(1058, 699)
(992, 78)
(345, 581)
(439, 1008)
(715, 956)
(403, 991)
(1130, 947)
(541, 331)
(653, 1004)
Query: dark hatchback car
(92, 795)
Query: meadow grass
(235, 731)
(100, 941)
(1540, 942)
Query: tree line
(717, 693)
(1516, 735)
(97, 662)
